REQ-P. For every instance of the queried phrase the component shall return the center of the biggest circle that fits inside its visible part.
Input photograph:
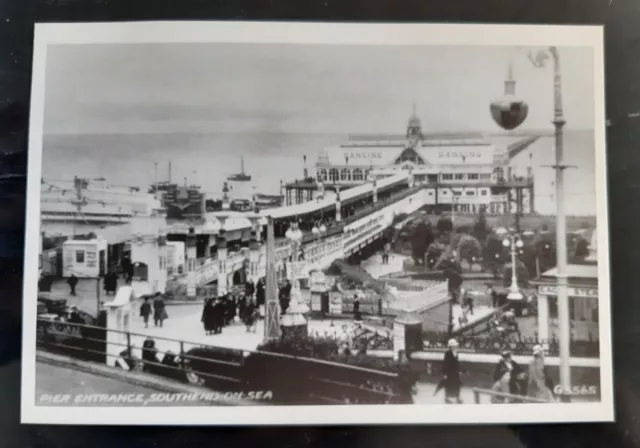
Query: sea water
(208, 159)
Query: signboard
(335, 303)
(318, 278)
(363, 155)
(585, 293)
(91, 259)
(316, 302)
(476, 155)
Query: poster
(335, 303)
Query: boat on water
(241, 176)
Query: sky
(252, 88)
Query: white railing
(318, 253)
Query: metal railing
(501, 397)
(497, 343)
(291, 379)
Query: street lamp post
(561, 227)
(514, 243)
(294, 317)
(509, 113)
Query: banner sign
(585, 293)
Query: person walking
(110, 283)
(159, 310)
(506, 377)
(72, 282)
(451, 371)
(145, 311)
(385, 253)
(357, 316)
(250, 317)
(539, 386)
(208, 316)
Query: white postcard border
(309, 33)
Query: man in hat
(539, 384)
(451, 372)
(507, 377)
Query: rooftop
(577, 271)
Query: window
(447, 176)
(483, 192)
(333, 175)
(485, 176)
(358, 174)
(499, 173)
(470, 193)
(459, 176)
(345, 174)
(322, 175)
(79, 256)
(473, 176)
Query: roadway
(57, 380)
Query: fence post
(182, 354)
(476, 396)
(129, 348)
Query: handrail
(229, 374)
(478, 391)
(259, 352)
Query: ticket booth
(583, 303)
(84, 258)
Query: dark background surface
(622, 34)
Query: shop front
(583, 303)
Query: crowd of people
(244, 305)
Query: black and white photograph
(288, 223)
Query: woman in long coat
(451, 371)
(538, 382)
(208, 317)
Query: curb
(133, 378)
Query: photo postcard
(315, 223)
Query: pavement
(184, 324)
(86, 298)
(56, 380)
(376, 269)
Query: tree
(494, 251)
(480, 228)
(469, 248)
(582, 248)
(546, 252)
(444, 226)
(421, 238)
(527, 255)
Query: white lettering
(459, 154)
(363, 155)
